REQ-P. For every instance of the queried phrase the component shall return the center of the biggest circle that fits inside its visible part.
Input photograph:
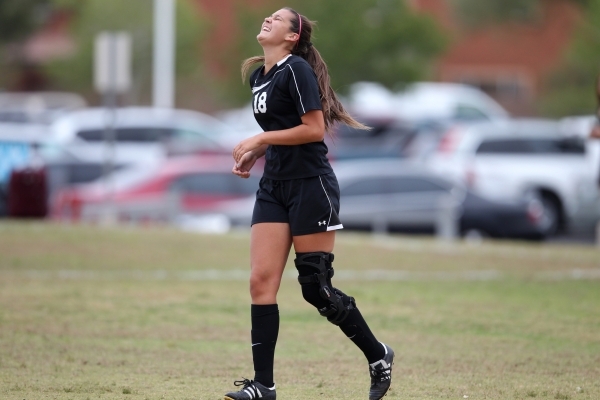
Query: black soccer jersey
(279, 99)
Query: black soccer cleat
(381, 374)
(251, 390)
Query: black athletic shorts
(308, 205)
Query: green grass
(105, 313)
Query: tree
(572, 85)
(135, 17)
(18, 19)
(361, 40)
(375, 40)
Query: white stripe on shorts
(334, 227)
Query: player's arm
(259, 152)
(312, 129)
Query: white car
(521, 158)
(37, 107)
(141, 134)
(423, 101)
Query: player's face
(276, 28)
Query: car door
(205, 191)
(413, 202)
(361, 204)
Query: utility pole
(112, 76)
(164, 54)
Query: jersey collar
(283, 60)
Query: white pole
(164, 53)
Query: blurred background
(127, 111)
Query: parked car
(140, 134)
(527, 158)
(424, 101)
(65, 170)
(157, 193)
(18, 149)
(24, 132)
(387, 137)
(402, 196)
(581, 126)
(37, 107)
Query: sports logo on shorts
(322, 223)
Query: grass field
(106, 313)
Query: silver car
(402, 196)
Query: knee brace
(315, 273)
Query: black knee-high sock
(265, 329)
(357, 330)
(354, 326)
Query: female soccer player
(298, 198)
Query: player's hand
(243, 167)
(245, 146)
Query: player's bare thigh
(322, 241)
(270, 244)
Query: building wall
(223, 29)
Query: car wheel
(550, 216)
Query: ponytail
(333, 110)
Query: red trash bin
(28, 193)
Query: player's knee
(315, 273)
(262, 287)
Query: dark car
(395, 195)
(387, 137)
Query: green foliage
(572, 85)
(136, 18)
(18, 18)
(361, 40)
(375, 40)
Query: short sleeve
(304, 88)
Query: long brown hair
(333, 110)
